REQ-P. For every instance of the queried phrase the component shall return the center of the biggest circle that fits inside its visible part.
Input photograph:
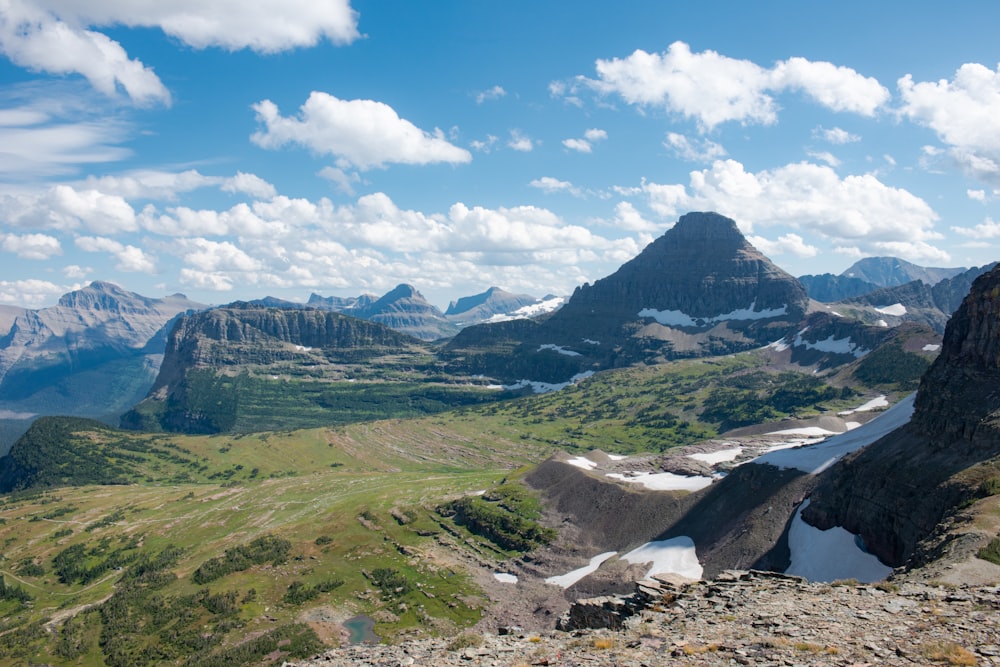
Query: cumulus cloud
(627, 217)
(976, 195)
(486, 145)
(712, 88)
(549, 185)
(787, 244)
(150, 183)
(519, 142)
(359, 133)
(825, 156)
(857, 210)
(835, 135)
(249, 184)
(128, 258)
(965, 114)
(29, 293)
(57, 36)
(702, 150)
(343, 180)
(494, 93)
(31, 246)
(586, 144)
(988, 229)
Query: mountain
(892, 271)
(897, 492)
(341, 304)
(492, 304)
(915, 301)
(698, 290)
(403, 308)
(246, 367)
(93, 354)
(827, 287)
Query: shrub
(991, 552)
(947, 652)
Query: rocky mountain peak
(706, 226)
(102, 295)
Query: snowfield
(663, 481)
(676, 555)
(677, 318)
(814, 459)
(829, 555)
(573, 576)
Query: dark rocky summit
(700, 289)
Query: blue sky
(233, 150)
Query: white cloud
(249, 184)
(835, 135)
(55, 36)
(988, 229)
(628, 218)
(702, 150)
(29, 293)
(38, 140)
(75, 272)
(963, 112)
(31, 246)
(129, 258)
(33, 36)
(360, 133)
(585, 145)
(976, 195)
(836, 88)
(825, 156)
(99, 212)
(549, 184)
(212, 256)
(494, 93)
(857, 210)
(345, 181)
(578, 145)
(520, 142)
(486, 145)
(151, 183)
(787, 244)
(713, 89)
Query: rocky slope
(898, 490)
(740, 618)
(403, 308)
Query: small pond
(361, 629)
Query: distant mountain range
(700, 289)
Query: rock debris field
(739, 618)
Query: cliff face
(897, 490)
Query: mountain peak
(708, 226)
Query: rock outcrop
(896, 491)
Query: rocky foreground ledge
(739, 618)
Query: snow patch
(930, 347)
(663, 481)
(545, 387)
(720, 456)
(531, 310)
(676, 555)
(617, 457)
(505, 577)
(558, 348)
(581, 462)
(677, 318)
(883, 324)
(829, 555)
(591, 342)
(302, 348)
(814, 459)
(896, 310)
(830, 344)
(874, 404)
(570, 578)
(810, 431)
